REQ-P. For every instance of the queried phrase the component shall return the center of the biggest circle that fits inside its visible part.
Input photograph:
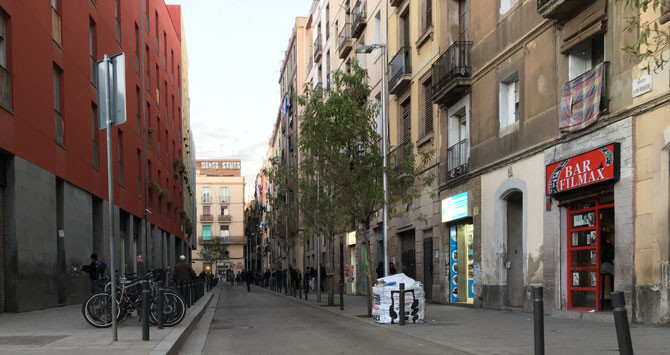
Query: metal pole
(110, 190)
(146, 293)
(342, 273)
(401, 305)
(538, 316)
(621, 323)
(384, 149)
(318, 268)
(160, 317)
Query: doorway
(461, 263)
(514, 260)
(428, 268)
(408, 258)
(590, 256)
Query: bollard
(621, 323)
(538, 315)
(160, 317)
(146, 294)
(401, 304)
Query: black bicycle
(97, 310)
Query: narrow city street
(263, 322)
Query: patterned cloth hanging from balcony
(581, 98)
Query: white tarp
(385, 305)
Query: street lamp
(367, 49)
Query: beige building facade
(220, 211)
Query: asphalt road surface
(262, 322)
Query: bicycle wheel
(97, 310)
(174, 309)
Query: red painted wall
(28, 131)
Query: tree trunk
(329, 275)
(368, 272)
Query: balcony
(360, 19)
(206, 218)
(457, 159)
(395, 3)
(206, 200)
(401, 71)
(398, 156)
(344, 42)
(316, 88)
(318, 50)
(560, 9)
(224, 218)
(451, 73)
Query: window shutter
(429, 108)
(407, 123)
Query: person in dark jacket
(380, 270)
(248, 278)
(392, 269)
(323, 278)
(183, 272)
(96, 271)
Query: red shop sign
(594, 167)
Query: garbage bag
(386, 300)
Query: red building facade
(48, 115)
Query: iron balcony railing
(344, 40)
(398, 156)
(359, 18)
(541, 3)
(317, 47)
(206, 218)
(400, 65)
(457, 158)
(5, 88)
(453, 63)
(225, 218)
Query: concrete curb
(171, 343)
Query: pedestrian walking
(248, 278)
(96, 272)
(183, 272)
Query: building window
(586, 56)
(146, 16)
(137, 48)
(225, 211)
(120, 156)
(138, 110)
(117, 15)
(165, 51)
(427, 17)
(224, 194)
(139, 174)
(158, 137)
(95, 142)
(157, 32)
(506, 5)
(378, 27)
(207, 194)
(158, 85)
(172, 65)
(458, 138)
(206, 210)
(56, 33)
(509, 101)
(427, 125)
(463, 19)
(58, 105)
(146, 65)
(151, 129)
(5, 76)
(225, 233)
(378, 114)
(206, 232)
(406, 138)
(92, 50)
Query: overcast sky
(235, 49)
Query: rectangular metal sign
(117, 91)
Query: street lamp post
(366, 50)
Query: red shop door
(584, 254)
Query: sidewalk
(480, 331)
(63, 330)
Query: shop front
(456, 214)
(588, 207)
(351, 267)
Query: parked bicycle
(97, 310)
